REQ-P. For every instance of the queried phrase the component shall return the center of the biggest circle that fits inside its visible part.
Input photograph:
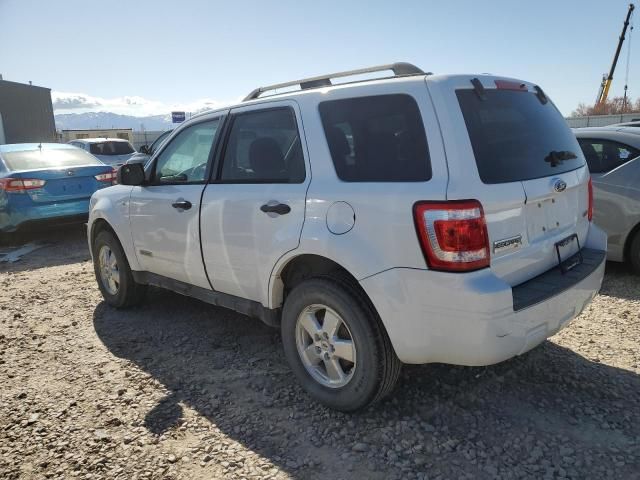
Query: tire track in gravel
(179, 389)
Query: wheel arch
(298, 268)
(102, 224)
(629, 240)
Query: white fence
(601, 120)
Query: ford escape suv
(412, 218)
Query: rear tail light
(109, 177)
(590, 207)
(20, 185)
(453, 235)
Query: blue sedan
(47, 182)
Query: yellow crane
(606, 80)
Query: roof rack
(399, 69)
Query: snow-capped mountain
(91, 120)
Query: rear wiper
(555, 158)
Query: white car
(415, 218)
(111, 151)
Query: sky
(148, 57)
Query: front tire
(336, 346)
(113, 273)
(634, 253)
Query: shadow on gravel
(621, 282)
(440, 420)
(67, 244)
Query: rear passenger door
(254, 207)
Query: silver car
(111, 151)
(613, 155)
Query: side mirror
(145, 149)
(131, 174)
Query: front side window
(605, 155)
(376, 139)
(159, 141)
(264, 147)
(185, 159)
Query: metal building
(26, 113)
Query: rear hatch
(510, 148)
(115, 160)
(112, 152)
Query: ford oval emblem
(559, 186)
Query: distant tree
(582, 111)
(613, 106)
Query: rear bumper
(470, 319)
(65, 212)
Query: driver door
(164, 214)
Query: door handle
(182, 204)
(279, 208)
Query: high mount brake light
(453, 235)
(20, 185)
(507, 85)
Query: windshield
(111, 148)
(516, 137)
(46, 158)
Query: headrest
(266, 159)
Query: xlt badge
(507, 244)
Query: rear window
(376, 139)
(48, 158)
(516, 137)
(111, 148)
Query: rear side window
(605, 155)
(516, 137)
(264, 147)
(376, 139)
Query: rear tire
(10, 238)
(113, 273)
(4, 239)
(358, 349)
(634, 253)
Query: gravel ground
(179, 389)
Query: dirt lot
(179, 389)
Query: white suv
(413, 218)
